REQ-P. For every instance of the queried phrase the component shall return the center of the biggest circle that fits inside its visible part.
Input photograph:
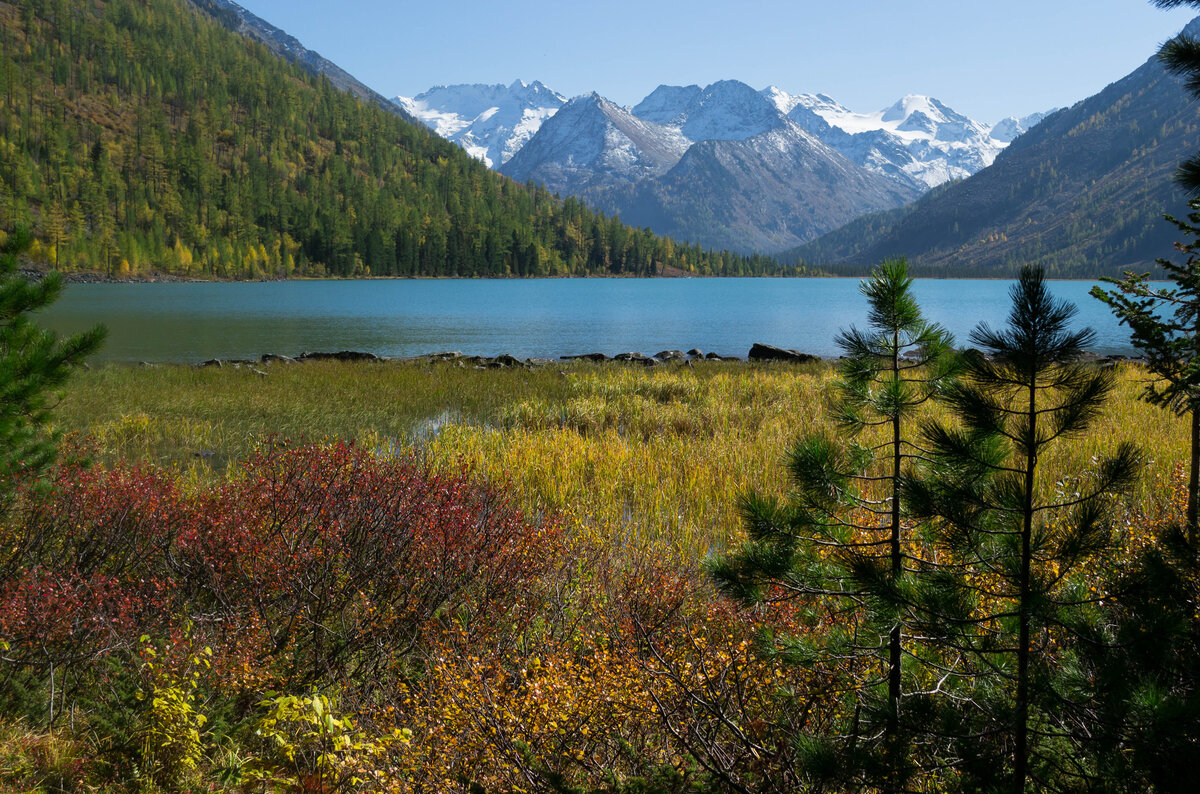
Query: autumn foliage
(329, 619)
(461, 641)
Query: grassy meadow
(498, 586)
(654, 455)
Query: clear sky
(985, 59)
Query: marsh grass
(649, 457)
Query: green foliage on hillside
(140, 134)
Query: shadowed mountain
(1082, 193)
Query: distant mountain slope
(726, 168)
(492, 122)
(1080, 194)
(592, 143)
(918, 140)
(764, 193)
(207, 155)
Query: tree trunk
(894, 641)
(1021, 766)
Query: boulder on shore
(761, 352)
(587, 357)
(341, 355)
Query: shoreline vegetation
(719, 406)
(759, 352)
(546, 575)
(163, 277)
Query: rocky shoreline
(758, 353)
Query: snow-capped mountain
(593, 143)
(756, 194)
(918, 139)
(645, 163)
(1008, 129)
(728, 110)
(491, 122)
(719, 165)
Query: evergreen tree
(1171, 345)
(841, 536)
(1181, 55)
(33, 362)
(1009, 544)
(1141, 712)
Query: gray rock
(505, 360)
(670, 355)
(587, 357)
(341, 355)
(761, 352)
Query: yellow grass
(648, 456)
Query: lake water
(189, 322)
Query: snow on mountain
(728, 110)
(1007, 129)
(719, 165)
(590, 142)
(763, 193)
(492, 122)
(666, 102)
(918, 139)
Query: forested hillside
(140, 135)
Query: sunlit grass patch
(650, 456)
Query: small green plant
(171, 740)
(310, 744)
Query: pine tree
(33, 362)
(1171, 345)
(841, 536)
(1007, 543)
(1181, 55)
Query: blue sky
(988, 60)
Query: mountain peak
(491, 121)
(665, 103)
(592, 142)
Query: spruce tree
(839, 542)
(1009, 542)
(1165, 327)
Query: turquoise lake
(190, 322)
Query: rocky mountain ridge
(757, 170)
(1080, 194)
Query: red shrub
(84, 567)
(342, 557)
